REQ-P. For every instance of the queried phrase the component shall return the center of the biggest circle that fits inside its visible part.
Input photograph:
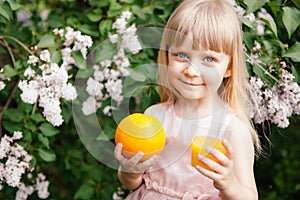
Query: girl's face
(196, 74)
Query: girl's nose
(191, 70)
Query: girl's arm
(234, 177)
(130, 181)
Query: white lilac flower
(29, 73)
(89, 106)
(130, 40)
(260, 30)
(120, 25)
(94, 88)
(251, 17)
(32, 60)
(52, 112)
(30, 91)
(121, 60)
(105, 63)
(126, 14)
(24, 191)
(113, 38)
(114, 89)
(14, 165)
(42, 186)
(2, 85)
(98, 75)
(45, 56)
(69, 92)
(108, 74)
(4, 146)
(69, 36)
(68, 60)
(60, 32)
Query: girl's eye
(182, 56)
(209, 59)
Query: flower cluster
(107, 78)
(278, 103)
(51, 84)
(73, 41)
(41, 186)
(47, 88)
(14, 160)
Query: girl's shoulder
(162, 111)
(158, 108)
(239, 131)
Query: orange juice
(198, 146)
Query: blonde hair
(214, 25)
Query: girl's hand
(223, 174)
(133, 164)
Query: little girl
(204, 91)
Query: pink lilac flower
(278, 103)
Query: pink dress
(173, 177)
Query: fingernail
(208, 149)
(200, 157)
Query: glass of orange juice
(199, 145)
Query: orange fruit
(198, 146)
(139, 132)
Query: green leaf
(13, 5)
(296, 75)
(37, 117)
(105, 26)
(46, 41)
(104, 51)
(86, 191)
(102, 3)
(44, 140)
(293, 52)
(13, 114)
(6, 11)
(9, 71)
(31, 126)
(47, 155)
(291, 19)
(127, 1)
(12, 126)
(55, 56)
(114, 9)
(254, 5)
(272, 25)
(297, 3)
(79, 59)
(137, 10)
(95, 15)
(48, 130)
(135, 75)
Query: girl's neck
(199, 108)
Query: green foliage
(277, 174)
